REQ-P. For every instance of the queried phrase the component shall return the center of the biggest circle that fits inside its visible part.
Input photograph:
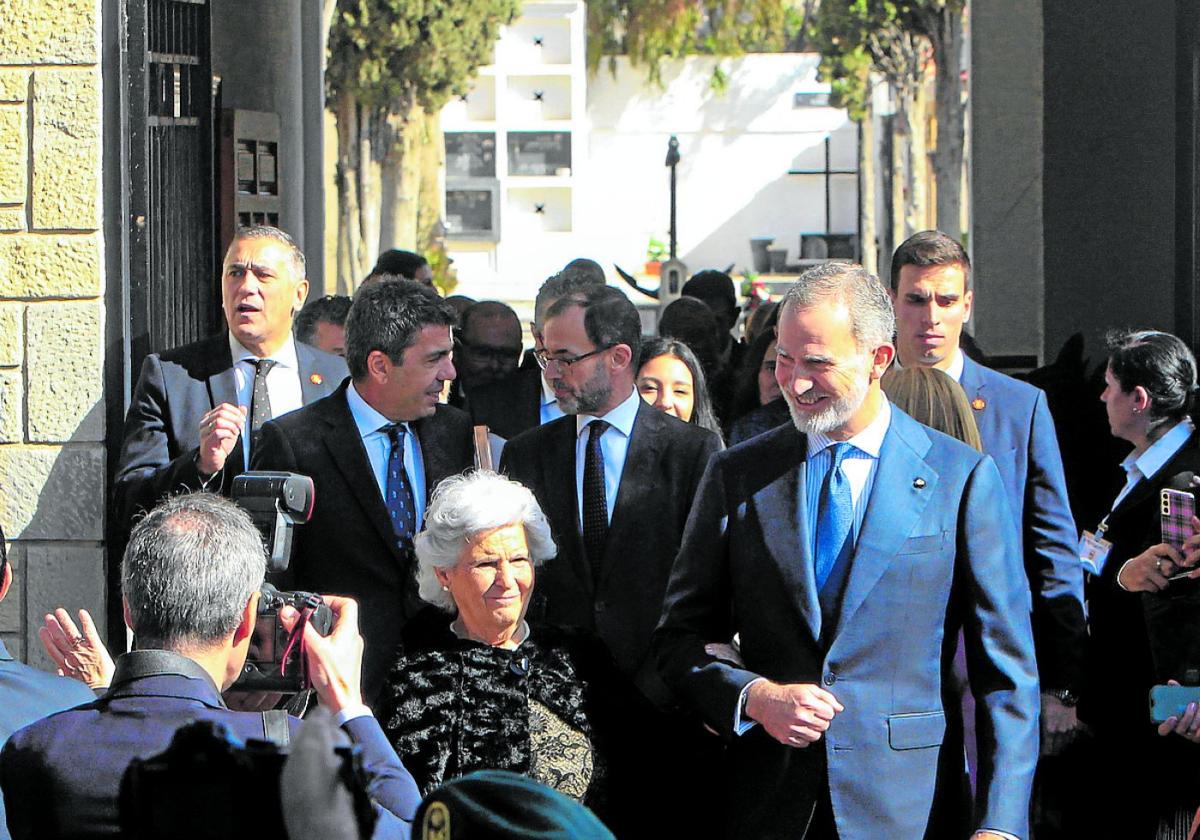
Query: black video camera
(277, 502)
(208, 784)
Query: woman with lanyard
(1143, 605)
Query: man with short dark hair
(197, 409)
(716, 289)
(405, 264)
(846, 550)
(933, 295)
(375, 450)
(190, 583)
(322, 324)
(27, 694)
(615, 478)
(490, 339)
(524, 400)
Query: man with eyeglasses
(616, 478)
(489, 345)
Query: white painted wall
(736, 147)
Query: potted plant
(656, 251)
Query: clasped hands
(1151, 570)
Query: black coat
(348, 546)
(665, 461)
(451, 707)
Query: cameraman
(190, 581)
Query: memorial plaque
(469, 212)
(539, 153)
(470, 154)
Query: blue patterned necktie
(835, 515)
(398, 493)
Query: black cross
(539, 208)
(538, 40)
(539, 96)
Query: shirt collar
(955, 371)
(366, 418)
(285, 356)
(1162, 450)
(869, 440)
(620, 418)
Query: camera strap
(297, 638)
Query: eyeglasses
(544, 359)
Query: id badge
(1093, 552)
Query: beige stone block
(57, 266)
(52, 493)
(14, 84)
(61, 576)
(63, 352)
(12, 219)
(12, 334)
(49, 31)
(13, 154)
(66, 150)
(11, 402)
(12, 608)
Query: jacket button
(830, 678)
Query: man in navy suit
(931, 288)
(27, 694)
(375, 449)
(196, 409)
(847, 550)
(62, 776)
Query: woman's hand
(1186, 725)
(80, 656)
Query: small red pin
(979, 403)
(317, 379)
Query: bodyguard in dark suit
(62, 777)
(27, 694)
(524, 400)
(375, 450)
(931, 287)
(847, 551)
(195, 408)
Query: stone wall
(52, 482)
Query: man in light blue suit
(847, 551)
(932, 290)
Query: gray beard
(592, 396)
(833, 416)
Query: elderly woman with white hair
(474, 687)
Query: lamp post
(673, 272)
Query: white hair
(465, 506)
(872, 318)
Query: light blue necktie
(835, 515)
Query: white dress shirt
(1156, 456)
(614, 446)
(283, 382)
(371, 428)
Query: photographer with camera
(191, 582)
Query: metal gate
(174, 292)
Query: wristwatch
(1064, 695)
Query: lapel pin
(316, 379)
(979, 403)
(918, 483)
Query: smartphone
(1171, 700)
(1178, 508)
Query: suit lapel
(348, 453)
(889, 522)
(641, 464)
(1152, 484)
(562, 502)
(782, 508)
(312, 384)
(434, 456)
(975, 387)
(222, 388)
